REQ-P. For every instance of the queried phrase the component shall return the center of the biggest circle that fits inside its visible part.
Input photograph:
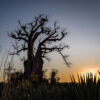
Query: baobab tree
(38, 39)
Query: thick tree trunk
(37, 65)
(38, 62)
(27, 68)
(30, 55)
(29, 62)
(33, 64)
(37, 68)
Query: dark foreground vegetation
(87, 88)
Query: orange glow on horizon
(65, 77)
(90, 70)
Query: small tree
(38, 40)
(53, 77)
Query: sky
(81, 18)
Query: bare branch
(18, 51)
(64, 58)
(54, 48)
(46, 39)
(56, 38)
(17, 36)
(16, 47)
(23, 27)
(36, 36)
(39, 24)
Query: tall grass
(87, 88)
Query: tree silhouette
(38, 40)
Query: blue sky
(80, 17)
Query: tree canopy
(39, 39)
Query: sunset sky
(81, 18)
